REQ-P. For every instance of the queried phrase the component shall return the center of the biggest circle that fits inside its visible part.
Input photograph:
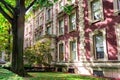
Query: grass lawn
(59, 76)
(8, 75)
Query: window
(61, 52)
(117, 6)
(98, 45)
(61, 27)
(72, 21)
(73, 50)
(61, 5)
(95, 10)
(118, 39)
(49, 13)
(49, 30)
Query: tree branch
(8, 7)
(5, 15)
(5, 3)
(30, 5)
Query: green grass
(8, 75)
(59, 76)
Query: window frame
(70, 30)
(117, 29)
(90, 15)
(70, 54)
(95, 45)
(61, 42)
(49, 13)
(62, 19)
(93, 57)
(49, 33)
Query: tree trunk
(18, 38)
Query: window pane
(49, 14)
(73, 50)
(97, 15)
(61, 26)
(95, 5)
(61, 51)
(99, 46)
(118, 4)
(72, 22)
(49, 30)
(96, 11)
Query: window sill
(95, 21)
(72, 30)
(61, 34)
(60, 11)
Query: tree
(14, 11)
(15, 14)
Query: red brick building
(86, 41)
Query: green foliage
(29, 55)
(60, 76)
(8, 75)
(68, 9)
(4, 35)
(8, 64)
(47, 3)
(40, 53)
(12, 2)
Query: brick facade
(86, 59)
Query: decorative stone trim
(82, 32)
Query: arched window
(98, 47)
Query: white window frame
(116, 7)
(70, 23)
(59, 27)
(72, 40)
(91, 20)
(92, 47)
(61, 42)
(117, 30)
